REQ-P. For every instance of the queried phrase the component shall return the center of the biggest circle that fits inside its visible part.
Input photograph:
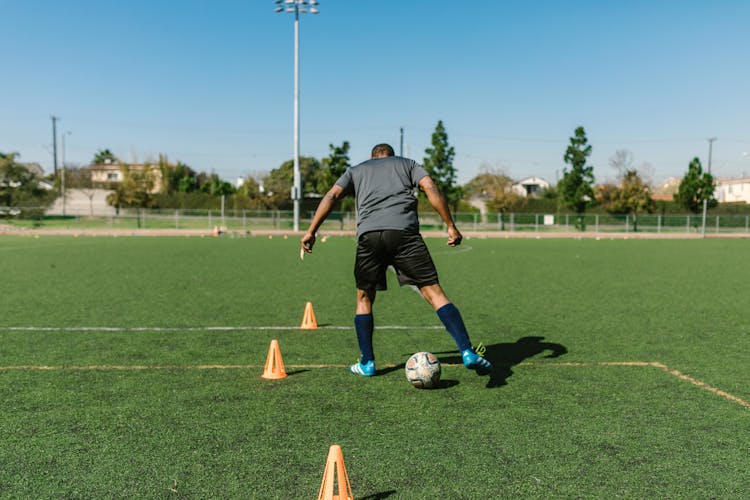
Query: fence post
(475, 221)
(209, 219)
(658, 223)
(177, 219)
(596, 223)
(223, 222)
(627, 223)
(687, 227)
(566, 223)
(512, 221)
(536, 223)
(717, 224)
(747, 223)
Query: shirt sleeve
(418, 172)
(345, 182)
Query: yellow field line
(654, 364)
(702, 385)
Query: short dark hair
(382, 150)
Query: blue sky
(210, 82)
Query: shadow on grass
(442, 384)
(385, 371)
(379, 496)
(297, 372)
(504, 356)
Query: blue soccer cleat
(366, 370)
(474, 361)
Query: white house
(111, 172)
(732, 190)
(530, 186)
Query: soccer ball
(423, 370)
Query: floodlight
(297, 7)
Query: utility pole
(705, 199)
(54, 142)
(62, 172)
(401, 150)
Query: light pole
(54, 142)
(62, 172)
(705, 200)
(296, 7)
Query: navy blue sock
(453, 322)
(364, 325)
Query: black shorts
(404, 250)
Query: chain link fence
(282, 220)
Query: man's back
(384, 191)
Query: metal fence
(679, 223)
(249, 220)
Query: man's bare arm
(438, 202)
(321, 213)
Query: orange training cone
(274, 364)
(308, 320)
(335, 467)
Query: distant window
(113, 176)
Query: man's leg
(454, 323)
(364, 326)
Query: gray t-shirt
(384, 193)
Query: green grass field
(130, 367)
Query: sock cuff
(447, 309)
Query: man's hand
(307, 242)
(454, 236)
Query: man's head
(382, 151)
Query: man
(388, 234)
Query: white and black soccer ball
(423, 370)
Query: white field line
(652, 364)
(194, 328)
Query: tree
(278, 183)
(20, 188)
(178, 178)
(439, 164)
(695, 187)
(215, 186)
(621, 161)
(134, 191)
(249, 188)
(183, 179)
(332, 167)
(575, 188)
(496, 189)
(632, 197)
(78, 178)
(104, 156)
